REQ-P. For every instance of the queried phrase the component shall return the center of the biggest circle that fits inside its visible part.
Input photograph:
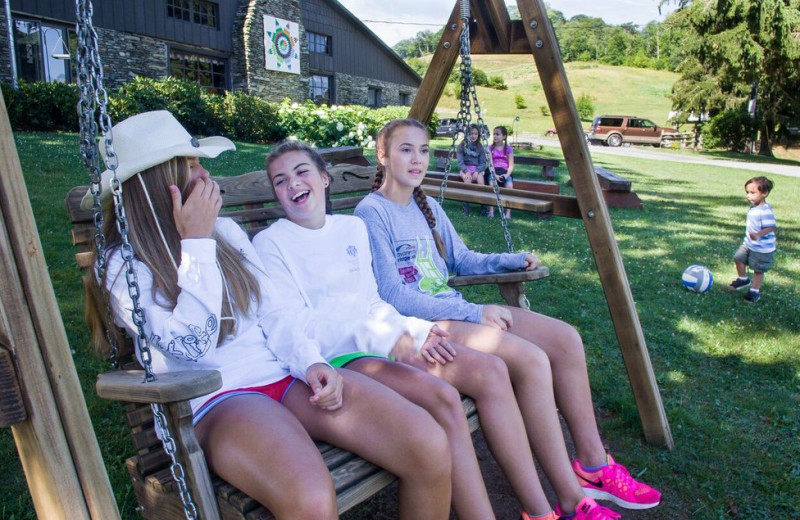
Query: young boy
(758, 247)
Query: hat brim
(208, 147)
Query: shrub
(42, 106)
(185, 99)
(497, 82)
(585, 106)
(479, 78)
(544, 110)
(729, 129)
(244, 118)
(519, 101)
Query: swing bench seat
(250, 200)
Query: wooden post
(595, 215)
(56, 443)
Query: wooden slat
(510, 277)
(475, 193)
(129, 385)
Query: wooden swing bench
(248, 199)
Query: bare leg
(258, 446)
(758, 279)
(741, 268)
(509, 184)
(384, 428)
(529, 371)
(485, 378)
(442, 400)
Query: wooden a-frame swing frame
(496, 33)
(42, 399)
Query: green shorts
(342, 360)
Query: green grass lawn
(729, 373)
(614, 90)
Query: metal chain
(469, 100)
(94, 101)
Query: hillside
(626, 90)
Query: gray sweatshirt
(411, 273)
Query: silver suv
(615, 130)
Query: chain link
(93, 102)
(468, 102)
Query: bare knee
(308, 503)
(444, 404)
(428, 455)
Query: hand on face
(195, 216)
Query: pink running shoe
(613, 482)
(588, 509)
(549, 516)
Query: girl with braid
(337, 305)
(415, 248)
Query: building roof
(374, 37)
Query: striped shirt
(758, 218)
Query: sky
(395, 20)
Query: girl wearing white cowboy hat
(205, 297)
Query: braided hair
(382, 144)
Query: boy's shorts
(758, 262)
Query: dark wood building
(275, 49)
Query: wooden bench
(548, 165)
(617, 190)
(248, 199)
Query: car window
(646, 123)
(610, 121)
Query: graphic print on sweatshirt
(416, 266)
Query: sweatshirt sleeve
(462, 260)
(188, 331)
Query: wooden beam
(56, 444)
(542, 40)
(496, 21)
(442, 63)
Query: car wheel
(614, 140)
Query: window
(201, 12)
(207, 71)
(374, 97)
(319, 89)
(43, 51)
(405, 99)
(319, 43)
(178, 9)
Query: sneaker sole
(732, 288)
(604, 495)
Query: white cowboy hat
(148, 139)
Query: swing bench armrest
(130, 386)
(500, 278)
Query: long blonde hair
(143, 225)
(382, 147)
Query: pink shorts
(276, 390)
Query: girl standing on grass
(415, 248)
(339, 294)
(205, 297)
(503, 161)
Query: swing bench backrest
(248, 199)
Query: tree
(734, 44)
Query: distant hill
(614, 90)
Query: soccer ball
(697, 278)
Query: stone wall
(125, 56)
(248, 64)
(5, 62)
(353, 90)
